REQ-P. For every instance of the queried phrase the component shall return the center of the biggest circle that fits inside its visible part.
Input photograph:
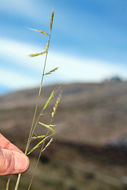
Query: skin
(12, 159)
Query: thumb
(12, 162)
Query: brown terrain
(91, 132)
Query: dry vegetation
(89, 151)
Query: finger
(6, 144)
(12, 162)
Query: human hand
(12, 159)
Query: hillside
(89, 149)
(89, 113)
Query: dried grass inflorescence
(44, 140)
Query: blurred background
(89, 45)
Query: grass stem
(34, 123)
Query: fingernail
(21, 162)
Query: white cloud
(17, 51)
(77, 69)
(16, 80)
(71, 68)
(25, 8)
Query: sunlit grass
(45, 137)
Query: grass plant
(42, 141)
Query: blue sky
(89, 41)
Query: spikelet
(51, 21)
(36, 54)
(36, 146)
(41, 31)
(39, 137)
(47, 46)
(46, 146)
(56, 106)
(53, 70)
(50, 127)
(48, 101)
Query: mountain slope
(89, 113)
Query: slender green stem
(8, 182)
(32, 129)
(32, 177)
(34, 123)
(37, 103)
(17, 182)
(38, 159)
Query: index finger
(6, 144)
